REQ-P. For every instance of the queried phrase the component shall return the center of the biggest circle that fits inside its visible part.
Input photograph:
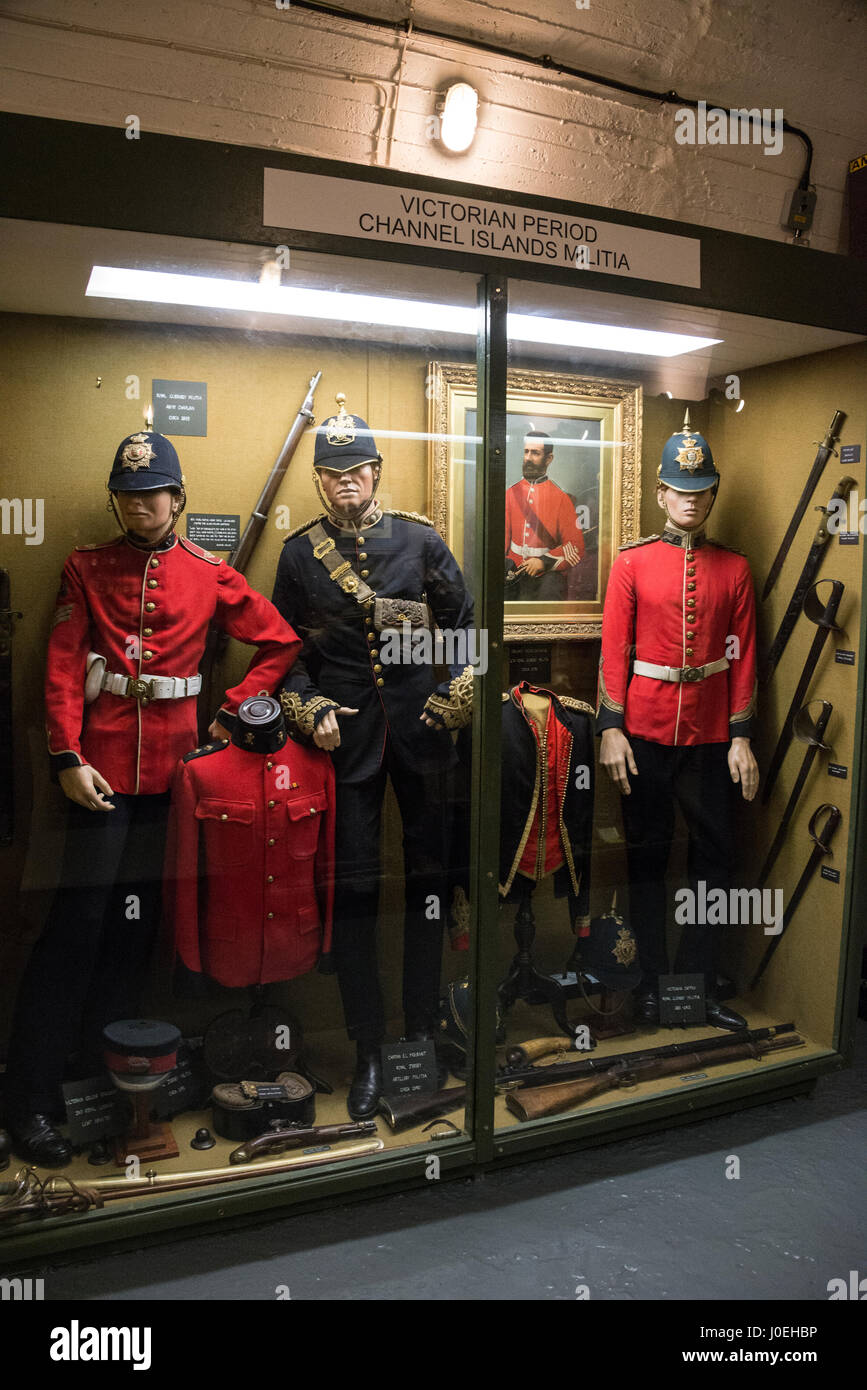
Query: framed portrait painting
(573, 489)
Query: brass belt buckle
(138, 689)
(323, 547)
(691, 673)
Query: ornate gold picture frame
(594, 425)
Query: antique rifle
(532, 1104)
(277, 1140)
(7, 629)
(402, 1112)
(242, 554)
(825, 450)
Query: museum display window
(556, 963)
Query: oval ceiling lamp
(460, 116)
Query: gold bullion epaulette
(411, 516)
(205, 749)
(721, 546)
(642, 540)
(580, 705)
(101, 545)
(299, 530)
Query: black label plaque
(832, 874)
(213, 530)
(94, 1108)
(837, 770)
(409, 1068)
(185, 1088)
(844, 658)
(850, 453)
(681, 999)
(180, 407)
(848, 537)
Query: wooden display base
(159, 1142)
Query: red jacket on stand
(249, 872)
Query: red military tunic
(540, 520)
(679, 600)
(147, 613)
(249, 877)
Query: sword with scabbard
(825, 450)
(808, 574)
(824, 616)
(821, 848)
(812, 734)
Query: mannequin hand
(327, 731)
(86, 787)
(218, 732)
(431, 723)
(616, 757)
(533, 567)
(743, 767)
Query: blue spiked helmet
(687, 462)
(345, 441)
(145, 461)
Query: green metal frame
(58, 171)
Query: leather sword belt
(152, 688)
(680, 673)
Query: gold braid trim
(740, 715)
(410, 516)
(605, 700)
(642, 540)
(456, 709)
(299, 530)
(301, 714)
(571, 703)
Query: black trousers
(88, 967)
(697, 777)
(549, 587)
(425, 806)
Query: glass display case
(526, 814)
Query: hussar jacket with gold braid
(345, 661)
(679, 600)
(148, 613)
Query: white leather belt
(680, 673)
(525, 552)
(152, 687)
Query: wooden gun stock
(526, 1052)
(277, 1140)
(529, 1104)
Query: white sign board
(406, 217)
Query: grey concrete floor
(648, 1218)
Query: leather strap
(339, 570)
(681, 673)
(153, 687)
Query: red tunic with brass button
(540, 520)
(148, 614)
(249, 880)
(680, 600)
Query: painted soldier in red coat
(543, 534)
(677, 727)
(129, 629)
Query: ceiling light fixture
(460, 117)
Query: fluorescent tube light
(290, 301)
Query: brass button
(313, 810)
(691, 584)
(690, 555)
(294, 785)
(689, 636)
(365, 573)
(369, 623)
(269, 766)
(377, 668)
(270, 878)
(272, 842)
(270, 916)
(362, 555)
(374, 652)
(271, 805)
(689, 651)
(691, 569)
(144, 701)
(224, 816)
(155, 562)
(147, 656)
(380, 681)
(371, 637)
(147, 631)
(150, 606)
(152, 584)
(690, 603)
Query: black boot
(366, 1085)
(646, 1005)
(35, 1138)
(721, 1017)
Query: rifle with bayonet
(530, 1104)
(242, 554)
(403, 1112)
